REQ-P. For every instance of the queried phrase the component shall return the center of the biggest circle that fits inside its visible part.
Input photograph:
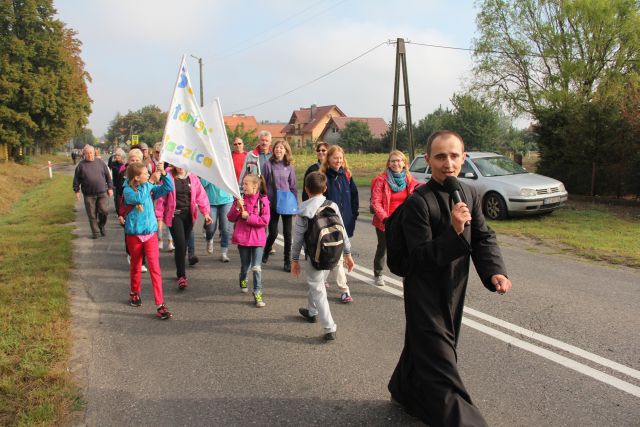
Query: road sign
(134, 139)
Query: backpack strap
(433, 202)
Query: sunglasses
(321, 151)
(237, 143)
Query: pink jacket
(166, 205)
(381, 198)
(250, 232)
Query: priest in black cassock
(426, 382)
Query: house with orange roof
(248, 122)
(307, 124)
(331, 133)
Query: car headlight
(528, 192)
(561, 187)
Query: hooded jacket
(250, 231)
(381, 197)
(307, 210)
(144, 222)
(343, 191)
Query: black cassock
(426, 380)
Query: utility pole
(401, 60)
(201, 88)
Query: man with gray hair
(255, 160)
(93, 178)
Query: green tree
(43, 85)
(148, 123)
(83, 138)
(534, 54)
(248, 136)
(569, 65)
(356, 136)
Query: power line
(282, 32)
(288, 18)
(311, 81)
(502, 52)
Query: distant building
(249, 122)
(307, 124)
(331, 133)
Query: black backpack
(324, 238)
(397, 253)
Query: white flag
(195, 141)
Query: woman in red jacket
(388, 191)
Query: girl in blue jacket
(141, 228)
(342, 190)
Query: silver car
(505, 187)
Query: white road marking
(562, 360)
(555, 343)
(547, 354)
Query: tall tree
(44, 98)
(148, 123)
(544, 53)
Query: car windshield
(498, 166)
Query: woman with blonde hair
(280, 177)
(389, 190)
(342, 190)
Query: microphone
(452, 186)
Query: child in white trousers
(317, 306)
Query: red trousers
(149, 248)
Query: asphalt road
(561, 349)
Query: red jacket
(381, 197)
(238, 162)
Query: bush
(23, 160)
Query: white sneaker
(160, 244)
(224, 257)
(379, 281)
(129, 259)
(210, 246)
(170, 247)
(144, 268)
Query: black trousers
(180, 231)
(381, 251)
(287, 221)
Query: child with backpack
(251, 216)
(319, 228)
(140, 230)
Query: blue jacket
(343, 192)
(144, 222)
(216, 195)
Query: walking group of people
(440, 241)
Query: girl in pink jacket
(179, 211)
(251, 215)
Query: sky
(255, 51)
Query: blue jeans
(219, 216)
(251, 256)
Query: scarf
(397, 180)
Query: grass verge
(592, 232)
(35, 264)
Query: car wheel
(494, 206)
